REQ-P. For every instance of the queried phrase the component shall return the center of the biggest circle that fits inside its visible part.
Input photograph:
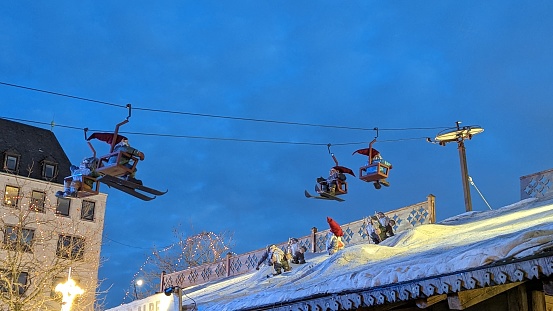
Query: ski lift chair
(341, 184)
(89, 186)
(377, 169)
(114, 168)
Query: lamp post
(459, 134)
(138, 282)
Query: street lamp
(138, 282)
(69, 291)
(459, 134)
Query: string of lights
(143, 266)
(188, 249)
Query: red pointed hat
(334, 227)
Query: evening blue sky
(207, 79)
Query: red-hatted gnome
(334, 238)
(127, 161)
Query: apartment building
(45, 240)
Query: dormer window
(49, 170)
(11, 162)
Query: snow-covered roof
(429, 259)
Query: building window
(7, 281)
(87, 210)
(11, 196)
(48, 170)
(70, 247)
(18, 239)
(11, 162)
(37, 201)
(62, 208)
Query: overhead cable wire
(44, 123)
(132, 246)
(220, 138)
(127, 245)
(217, 116)
(60, 94)
(281, 122)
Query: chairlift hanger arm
(114, 140)
(88, 142)
(332, 155)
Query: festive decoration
(333, 186)
(189, 251)
(334, 227)
(69, 291)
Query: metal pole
(161, 282)
(464, 174)
(179, 292)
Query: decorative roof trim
(502, 273)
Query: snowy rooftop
(470, 240)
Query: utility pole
(464, 173)
(459, 134)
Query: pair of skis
(323, 196)
(134, 189)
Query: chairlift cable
(215, 138)
(126, 106)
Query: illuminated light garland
(46, 226)
(195, 240)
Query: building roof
(33, 145)
(470, 251)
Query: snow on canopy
(470, 240)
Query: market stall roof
(426, 257)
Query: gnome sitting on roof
(334, 238)
(71, 186)
(379, 227)
(296, 252)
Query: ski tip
(307, 195)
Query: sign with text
(157, 302)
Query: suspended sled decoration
(116, 169)
(377, 169)
(335, 185)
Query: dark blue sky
(395, 65)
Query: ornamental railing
(537, 185)
(354, 233)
